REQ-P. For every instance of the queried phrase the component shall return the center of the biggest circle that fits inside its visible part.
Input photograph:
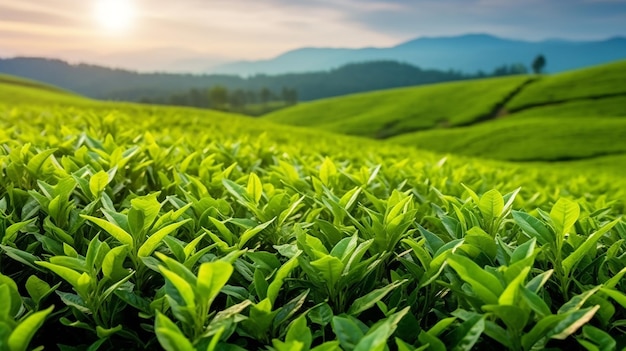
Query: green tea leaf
(281, 274)
(26, 329)
(486, 286)
(250, 233)
(69, 275)
(155, 239)
(534, 227)
(329, 268)
(510, 295)
(369, 300)
(602, 339)
(375, 341)
(491, 204)
(348, 333)
(212, 276)
(183, 288)
(15, 300)
(113, 263)
(255, 188)
(35, 163)
(298, 331)
(37, 288)
(481, 240)
(536, 303)
(616, 295)
(327, 171)
(98, 183)
(466, 335)
(590, 243)
(564, 214)
(169, 335)
(118, 233)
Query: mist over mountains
(467, 53)
(317, 72)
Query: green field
(132, 227)
(527, 139)
(392, 112)
(575, 115)
(596, 82)
(12, 82)
(603, 107)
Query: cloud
(253, 29)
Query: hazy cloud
(251, 29)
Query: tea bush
(128, 227)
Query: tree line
(348, 79)
(243, 94)
(250, 101)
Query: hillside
(7, 80)
(388, 113)
(115, 84)
(527, 139)
(569, 116)
(592, 83)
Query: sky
(152, 34)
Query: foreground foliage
(144, 228)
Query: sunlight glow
(115, 15)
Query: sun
(114, 15)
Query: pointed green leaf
(330, 268)
(212, 276)
(25, 330)
(118, 233)
(491, 204)
(348, 333)
(169, 335)
(564, 214)
(155, 239)
(255, 188)
(67, 274)
(572, 260)
(534, 227)
(98, 183)
(250, 233)
(15, 301)
(369, 300)
(113, 263)
(281, 274)
(485, 285)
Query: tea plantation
(128, 227)
(572, 116)
(387, 113)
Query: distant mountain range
(319, 73)
(467, 53)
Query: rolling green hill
(576, 115)
(16, 90)
(527, 139)
(570, 116)
(590, 83)
(595, 107)
(388, 113)
(18, 81)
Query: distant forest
(348, 79)
(260, 93)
